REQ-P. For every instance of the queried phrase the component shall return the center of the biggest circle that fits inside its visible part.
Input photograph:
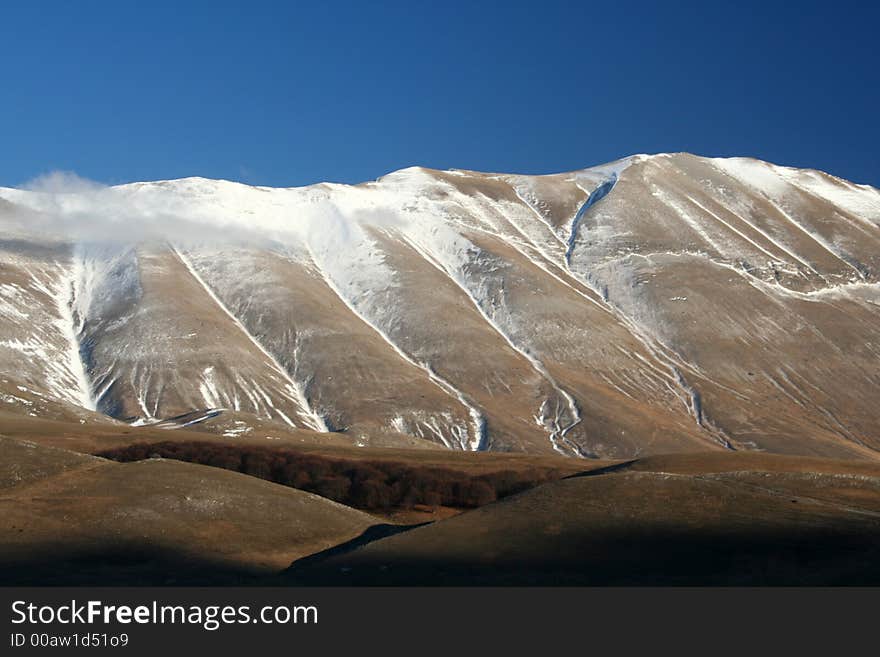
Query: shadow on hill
(667, 558)
(374, 533)
(608, 469)
(125, 566)
(152, 566)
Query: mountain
(657, 304)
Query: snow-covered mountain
(655, 304)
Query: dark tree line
(365, 484)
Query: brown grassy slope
(95, 437)
(785, 525)
(24, 462)
(705, 462)
(80, 519)
(105, 434)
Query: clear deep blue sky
(291, 93)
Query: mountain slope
(657, 304)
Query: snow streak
(558, 427)
(474, 443)
(65, 298)
(312, 419)
(676, 382)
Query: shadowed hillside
(768, 521)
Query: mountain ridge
(35, 185)
(631, 308)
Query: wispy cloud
(63, 206)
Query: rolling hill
(678, 520)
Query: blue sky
(289, 94)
